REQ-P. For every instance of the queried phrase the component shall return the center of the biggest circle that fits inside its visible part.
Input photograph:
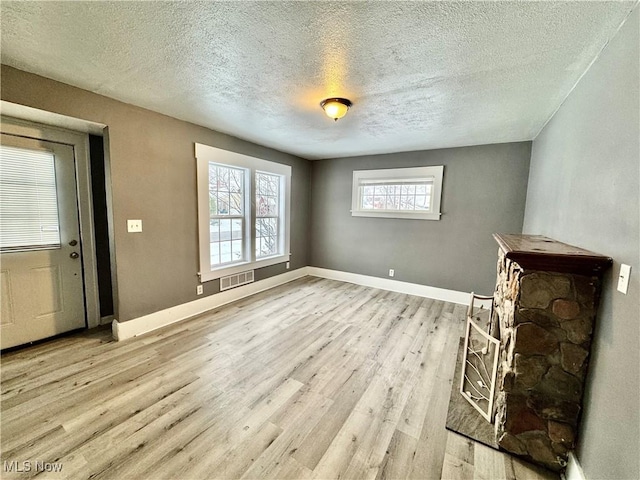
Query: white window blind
(28, 200)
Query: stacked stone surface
(546, 320)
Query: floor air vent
(236, 280)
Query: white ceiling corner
(421, 75)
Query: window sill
(242, 267)
(403, 215)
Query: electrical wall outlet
(134, 226)
(288, 265)
(392, 272)
(199, 290)
(623, 278)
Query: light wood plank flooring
(315, 379)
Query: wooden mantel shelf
(535, 252)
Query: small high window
(398, 193)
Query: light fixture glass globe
(335, 107)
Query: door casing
(80, 144)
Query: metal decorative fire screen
(480, 360)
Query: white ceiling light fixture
(336, 107)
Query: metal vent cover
(235, 280)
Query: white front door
(41, 278)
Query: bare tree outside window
(226, 214)
(397, 197)
(409, 193)
(267, 214)
(243, 213)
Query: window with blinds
(28, 200)
(398, 193)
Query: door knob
(73, 243)
(74, 255)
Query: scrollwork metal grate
(480, 359)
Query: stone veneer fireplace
(545, 303)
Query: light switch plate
(623, 278)
(134, 226)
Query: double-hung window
(226, 214)
(268, 216)
(398, 193)
(243, 212)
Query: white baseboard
(153, 321)
(574, 470)
(443, 294)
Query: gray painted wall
(153, 174)
(583, 190)
(484, 189)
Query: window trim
(399, 175)
(204, 155)
(80, 143)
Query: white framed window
(268, 217)
(227, 191)
(243, 212)
(412, 193)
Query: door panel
(6, 298)
(48, 284)
(42, 282)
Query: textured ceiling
(421, 75)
